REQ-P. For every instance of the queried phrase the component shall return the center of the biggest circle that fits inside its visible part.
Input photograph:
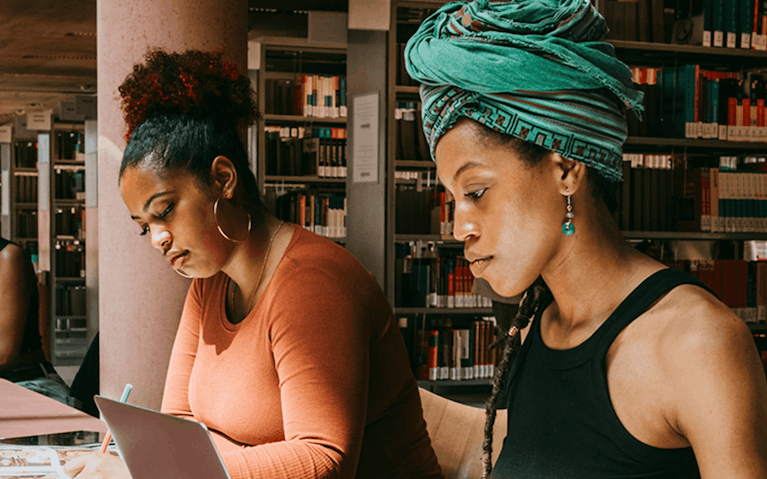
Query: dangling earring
(215, 218)
(568, 229)
(182, 274)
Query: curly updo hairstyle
(182, 110)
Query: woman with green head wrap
(630, 369)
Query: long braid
(510, 341)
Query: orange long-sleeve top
(313, 383)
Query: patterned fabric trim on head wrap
(534, 69)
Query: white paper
(5, 133)
(365, 150)
(369, 15)
(39, 120)
(6, 199)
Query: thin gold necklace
(260, 275)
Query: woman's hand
(97, 466)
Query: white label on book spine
(732, 39)
(718, 39)
(723, 132)
(745, 40)
(6, 199)
(706, 38)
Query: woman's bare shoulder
(690, 315)
(12, 258)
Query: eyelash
(475, 195)
(162, 215)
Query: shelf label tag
(365, 140)
(39, 120)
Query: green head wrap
(533, 69)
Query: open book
(41, 462)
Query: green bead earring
(568, 229)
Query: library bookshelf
(301, 136)
(66, 236)
(665, 133)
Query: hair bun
(194, 82)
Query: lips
(479, 265)
(177, 260)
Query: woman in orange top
(287, 349)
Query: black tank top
(31, 340)
(561, 423)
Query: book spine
(761, 292)
(746, 23)
(450, 265)
(476, 336)
(467, 371)
(432, 355)
(731, 22)
(707, 23)
(717, 22)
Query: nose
(160, 237)
(464, 225)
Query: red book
(458, 280)
(729, 283)
(703, 275)
(746, 112)
(760, 113)
(732, 108)
(742, 266)
(432, 355)
(450, 266)
(298, 95)
(302, 210)
(442, 220)
(466, 283)
(718, 280)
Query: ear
(224, 176)
(570, 174)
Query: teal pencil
(123, 398)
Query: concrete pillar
(140, 297)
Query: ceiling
(47, 53)
(48, 47)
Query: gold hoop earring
(182, 274)
(220, 230)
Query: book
(22, 461)
(730, 22)
(707, 23)
(717, 22)
(746, 23)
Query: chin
(504, 287)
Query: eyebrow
(466, 166)
(151, 199)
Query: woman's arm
(721, 398)
(175, 398)
(15, 292)
(320, 333)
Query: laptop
(155, 445)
